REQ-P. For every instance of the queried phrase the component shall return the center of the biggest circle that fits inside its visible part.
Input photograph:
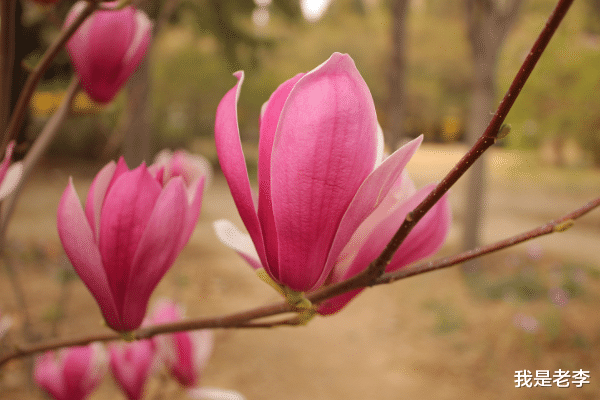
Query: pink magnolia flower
(190, 167)
(328, 203)
(10, 174)
(107, 48)
(185, 354)
(73, 374)
(131, 364)
(134, 225)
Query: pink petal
(268, 126)
(77, 362)
(98, 366)
(191, 167)
(203, 347)
(232, 237)
(111, 34)
(78, 241)
(127, 208)
(425, 239)
(7, 159)
(156, 252)
(192, 212)
(11, 179)
(137, 47)
(183, 353)
(183, 369)
(204, 393)
(325, 146)
(233, 164)
(48, 375)
(96, 194)
(100, 185)
(77, 46)
(380, 146)
(131, 364)
(370, 195)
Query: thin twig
(558, 225)
(36, 151)
(7, 57)
(488, 138)
(236, 320)
(376, 269)
(247, 319)
(25, 96)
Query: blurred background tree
(397, 74)
(488, 24)
(199, 43)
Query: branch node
(503, 131)
(563, 226)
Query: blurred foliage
(560, 98)
(447, 319)
(204, 41)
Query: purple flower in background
(535, 252)
(328, 203)
(526, 322)
(558, 296)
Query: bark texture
(488, 23)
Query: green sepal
(128, 336)
(294, 298)
(262, 274)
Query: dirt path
(381, 347)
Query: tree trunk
(138, 131)
(136, 144)
(488, 21)
(481, 107)
(396, 109)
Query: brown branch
(18, 115)
(7, 57)
(236, 320)
(35, 153)
(373, 274)
(489, 137)
(558, 225)
(247, 319)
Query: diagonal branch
(489, 137)
(558, 225)
(25, 96)
(248, 319)
(34, 154)
(373, 274)
(7, 57)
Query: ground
(429, 337)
